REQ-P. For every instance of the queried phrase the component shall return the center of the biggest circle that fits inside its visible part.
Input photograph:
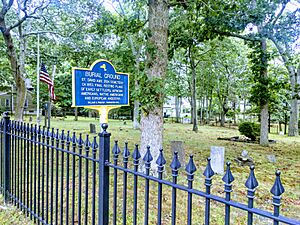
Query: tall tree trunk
(76, 114)
(17, 71)
(136, 109)
(222, 119)
(293, 129)
(156, 67)
(136, 124)
(210, 108)
(201, 111)
(206, 109)
(244, 111)
(264, 111)
(177, 108)
(193, 89)
(234, 110)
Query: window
(7, 102)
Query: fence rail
(62, 178)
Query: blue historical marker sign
(100, 85)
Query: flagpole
(38, 82)
(50, 97)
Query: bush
(250, 130)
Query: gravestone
(244, 154)
(92, 128)
(271, 158)
(244, 159)
(177, 146)
(30, 119)
(217, 155)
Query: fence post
(6, 155)
(103, 191)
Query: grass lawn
(286, 151)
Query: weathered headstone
(244, 154)
(271, 158)
(92, 128)
(244, 159)
(217, 155)
(177, 146)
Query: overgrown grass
(10, 215)
(286, 150)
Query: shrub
(250, 130)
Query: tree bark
(136, 124)
(136, 109)
(17, 71)
(156, 66)
(293, 129)
(193, 94)
(76, 114)
(177, 108)
(264, 111)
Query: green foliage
(250, 130)
(260, 91)
(150, 92)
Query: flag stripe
(44, 77)
(46, 80)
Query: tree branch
(27, 16)
(280, 50)
(279, 14)
(202, 55)
(5, 7)
(230, 34)
(42, 32)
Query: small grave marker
(217, 155)
(244, 159)
(177, 146)
(92, 128)
(271, 158)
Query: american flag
(44, 77)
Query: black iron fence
(61, 178)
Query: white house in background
(169, 107)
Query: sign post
(100, 87)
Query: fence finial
(87, 142)
(251, 182)
(136, 153)
(228, 177)
(52, 132)
(190, 167)
(116, 150)
(208, 172)
(94, 145)
(80, 141)
(63, 136)
(126, 152)
(57, 132)
(74, 139)
(277, 188)
(161, 161)
(104, 127)
(175, 164)
(68, 138)
(148, 157)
